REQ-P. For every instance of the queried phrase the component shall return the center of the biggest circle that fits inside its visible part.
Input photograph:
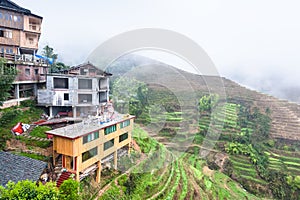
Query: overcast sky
(256, 42)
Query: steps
(64, 176)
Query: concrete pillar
(116, 159)
(51, 111)
(17, 91)
(35, 88)
(98, 175)
(74, 112)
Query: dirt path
(191, 180)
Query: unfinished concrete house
(78, 92)
(20, 31)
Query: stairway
(64, 176)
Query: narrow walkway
(36, 138)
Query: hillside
(250, 139)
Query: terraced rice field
(284, 160)
(245, 169)
(169, 177)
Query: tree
(54, 66)
(29, 190)
(207, 102)
(7, 76)
(130, 95)
(69, 190)
(49, 53)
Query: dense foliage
(29, 190)
(7, 76)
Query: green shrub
(28, 103)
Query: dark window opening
(27, 71)
(103, 84)
(103, 97)
(85, 84)
(1, 33)
(125, 123)
(110, 129)
(84, 71)
(36, 71)
(109, 144)
(123, 137)
(89, 154)
(90, 137)
(85, 98)
(62, 83)
(66, 96)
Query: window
(123, 137)
(110, 129)
(36, 71)
(84, 71)
(109, 144)
(66, 96)
(90, 137)
(85, 84)
(27, 72)
(84, 98)
(5, 33)
(103, 97)
(125, 123)
(11, 51)
(31, 40)
(89, 154)
(62, 83)
(1, 15)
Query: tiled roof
(88, 64)
(9, 5)
(17, 168)
(12, 6)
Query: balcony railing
(35, 27)
(22, 58)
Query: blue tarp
(50, 60)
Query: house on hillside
(83, 148)
(78, 91)
(20, 32)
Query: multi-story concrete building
(85, 147)
(20, 31)
(80, 90)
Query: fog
(253, 42)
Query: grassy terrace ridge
(182, 178)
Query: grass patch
(33, 156)
(39, 131)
